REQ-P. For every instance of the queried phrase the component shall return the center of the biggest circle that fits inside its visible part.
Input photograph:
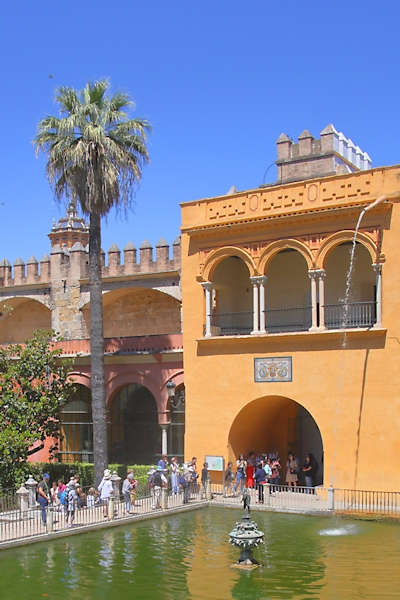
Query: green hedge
(85, 471)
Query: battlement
(73, 264)
(332, 154)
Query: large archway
(276, 421)
(134, 435)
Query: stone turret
(332, 154)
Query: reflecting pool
(188, 556)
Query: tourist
(229, 477)
(291, 471)
(71, 500)
(91, 498)
(310, 469)
(260, 478)
(54, 494)
(267, 468)
(250, 469)
(240, 473)
(150, 476)
(174, 475)
(274, 454)
(195, 475)
(127, 488)
(105, 489)
(185, 481)
(60, 489)
(43, 496)
(163, 462)
(275, 476)
(159, 481)
(205, 479)
(78, 490)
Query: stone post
(31, 486)
(262, 280)
(331, 499)
(313, 276)
(115, 479)
(23, 501)
(321, 290)
(378, 271)
(207, 287)
(256, 329)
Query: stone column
(263, 280)
(164, 438)
(313, 276)
(321, 290)
(254, 281)
(378, 271)
(207, 287)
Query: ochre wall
(138, 312)
(27, 316)
(353, 393)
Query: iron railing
(282, 320)
(233, 323)
(352, 315)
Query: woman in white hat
(105, 489)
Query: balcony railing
(234, 323)
(355, 314)
(282, 320)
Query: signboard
(215, 463)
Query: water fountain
(246, 536)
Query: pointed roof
(305, 135)
(283, 138)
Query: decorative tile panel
(273, 369)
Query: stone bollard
(111, 504)
(115, 479)
(208, 490)
(163, 498)
(23, 501)
(31, 485)
(331, 499)
(267, 490)
(49, 520)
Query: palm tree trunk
(100, 452)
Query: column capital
(313, 274)
(377, 267)
(263, 279)
(255, 280)
(321, 273)
(206, 285)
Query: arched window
(134, 433)
(77, 427)
(176, 430)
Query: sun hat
(107, 474)
(191, 469)
(159, 468)
(46, 476)
(152, 470)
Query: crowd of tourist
(259, 469)
(253, 472)
(69, 497)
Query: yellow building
(273, 353)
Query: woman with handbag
(291, 471)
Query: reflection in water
(187, 557)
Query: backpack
(182, 480)
(64, 497)
(157, 481)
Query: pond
(187, 556)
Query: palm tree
(94, 154)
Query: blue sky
(219, 81)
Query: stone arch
(341, 237)
(266, 422)
(272, 249)
(27, 316)
(119, 381)
(216, 256)
(82, 379)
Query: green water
(188, 556)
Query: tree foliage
(34, 384)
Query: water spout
(375, 203)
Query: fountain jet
(375, 203)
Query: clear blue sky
(219, 81)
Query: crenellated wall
(60, 282)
